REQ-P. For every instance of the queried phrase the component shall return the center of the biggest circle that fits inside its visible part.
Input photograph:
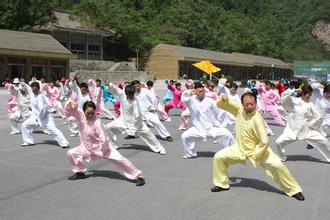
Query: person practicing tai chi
(95, 144)
(321, 95)
(130, 120)
(252, 143)
(23, 109)
(80, 94)
(148, 105)
(303, 122)
(95, 88)
(40, 117)
(160, 109)
(204, 113)
(176, 101)
(269, 99)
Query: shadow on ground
(108, 174)
(254, 184)
(305, 158)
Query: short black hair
(249, 94)
(268, 83)
(255, 91)
(98, 80)
(83, 85)
(35, 84)
(233, 85)
(129, 90)
(306, 89)
(150, 83)
(89, 104)
(177, 84)
(134, 82)
(198, 85)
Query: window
(94, 50)
(78, 48)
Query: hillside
(281, 29)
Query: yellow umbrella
(207, 67)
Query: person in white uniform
(204, 113)
(23, 107)
(321, 96)
(80, 95)
(130, 120)
(303, 122)
(40, 117)
(148, 106)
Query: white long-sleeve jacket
(203, 112)
(146, 100)
(23, 101)
(302, 116)
(130, 111)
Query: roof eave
(54, 27)
(13, 52)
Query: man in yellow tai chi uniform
(251, 143)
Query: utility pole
(137, 59)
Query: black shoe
(218, 189)
(77, 176)
(169, 139)
(299, 196)
(129, 137)
(140, 181)
(309, 146)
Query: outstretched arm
(229, 105)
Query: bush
(243, 83)
(229, 78)
(203, 80)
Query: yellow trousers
(270, 163)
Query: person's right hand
(73, 105)
(224, 97)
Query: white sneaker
(46, 132)
(73, 135)
(64, 145)
(163, 151)
(168, 120)
(283, 159)
(215, 142)
(188, 157)
(26, 144)
(15, 132)
(182, 128)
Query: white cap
(16, 80)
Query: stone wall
(90, 65)
(113, 76)
(107, 70)
(322, 31)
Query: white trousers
(313, 137)
(14, 119)
(30, 124)
(153, 119)
(325, 127)
(190, 136)
(117, 126)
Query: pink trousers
(79, 154)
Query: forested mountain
(275, 28)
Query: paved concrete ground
(34, 185)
